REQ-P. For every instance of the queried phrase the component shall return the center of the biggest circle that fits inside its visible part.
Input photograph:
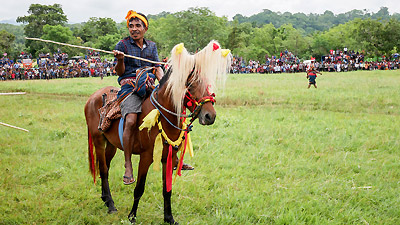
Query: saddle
(110, 110)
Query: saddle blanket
(110, 110)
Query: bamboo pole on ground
(11, 126)
(13, 93)
(8, 125)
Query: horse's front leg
(144, 163)
(168, 218)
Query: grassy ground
(279, 153)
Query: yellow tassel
(157, 152)
(225, 52)
(179, 48)
(190, 146)
(150, 120)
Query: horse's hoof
(113, 210)
(132, 219)
(172, 222)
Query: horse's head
(194, 77)
(200, 101)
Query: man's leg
(128, 139)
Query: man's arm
(159, 73)
(120, 67)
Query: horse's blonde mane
(207, 67)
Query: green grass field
(279, 153)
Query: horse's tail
(92, 157)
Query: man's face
(137, 29)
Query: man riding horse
(126, 69)
(164, 125)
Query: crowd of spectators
(57, 65)
(60, 65)
(344, 60)
(335, 61)
(286, 62)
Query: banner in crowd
(27, 63)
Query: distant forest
(253, 37)
(313, 22)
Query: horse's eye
(190, 87)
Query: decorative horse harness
(184, 136)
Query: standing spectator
(312, 76)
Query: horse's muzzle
(207, 117)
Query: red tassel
(182, 155)
(215, 46)
(168, 175)
(92, 157)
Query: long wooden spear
(93, 49)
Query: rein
(155, 103)
(153, 100)
(193, 115)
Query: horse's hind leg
(144, 164)
(105, 151)
(104, 157)
(110, 153)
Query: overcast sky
(81, 10)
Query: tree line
(255, 37)
(313, 22)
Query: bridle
(199, 103)
(191, 101)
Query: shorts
(312, 79)
(131, 104)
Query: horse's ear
(191, 77)
(166, 76)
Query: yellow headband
(133, 14)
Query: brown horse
(187, 84)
